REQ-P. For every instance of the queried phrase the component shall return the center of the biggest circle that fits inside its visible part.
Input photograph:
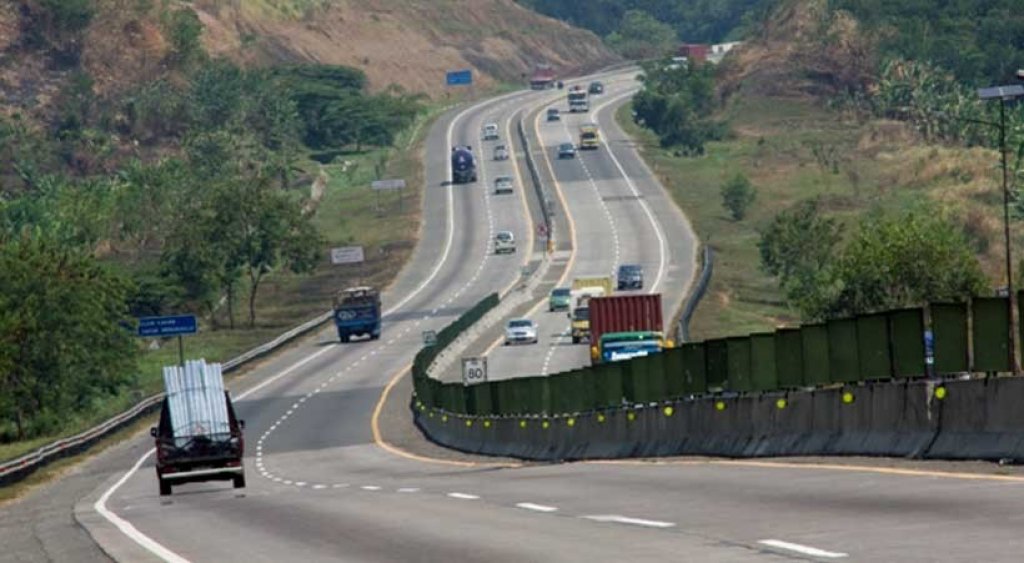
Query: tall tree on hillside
(642, 36)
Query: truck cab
(463, 165)
(590, 138)
(357, 312)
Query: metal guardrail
(19, 468)
(707, 269)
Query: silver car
(491, 132)
(520, 331)
(501, 152)
(504, 185)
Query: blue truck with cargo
(357, 312)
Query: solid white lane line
(126, 527)
(463, 496)
(626, 520)
(803, 549)
(662, 244)
(536, 507)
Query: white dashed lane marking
(370, 488)
(803, 549)
(615, 518)
(409, 490)
(536, 507)
(463, 496)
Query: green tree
(737, 196)
(642, 36)
(62, 338)
(898, 260)
(798, 243)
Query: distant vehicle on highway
(554, 114)
(560, 299)
(463, 165)
(500, 152)
(357, 312)
(491, 132)
(631, 276)
(519, 331)
(566, 150)
(504, 185)
(596, 87)
(590, 138)
(504, 242)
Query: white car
(491, 132)
(501, 152)
(504, 185)
(520, 331)
(504, 241)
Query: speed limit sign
(474, 370)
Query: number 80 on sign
(474, 370)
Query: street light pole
(1006, 94)
(1006, 239)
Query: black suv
(631, 276)
(596, 88)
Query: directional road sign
(388, 185)
(459, 77)
(168, 326)
(474, 370)
(347, 255)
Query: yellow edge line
(822, 467)
(378, 438)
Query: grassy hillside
(410, 44)
(788, 140)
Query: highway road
(618, 213)
(323, 484)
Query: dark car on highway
(631, 276)
(566, 150)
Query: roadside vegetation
(206, 188)
(871, 183)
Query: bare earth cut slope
(411, 44)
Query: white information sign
(347, 255)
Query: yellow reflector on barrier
(522, 424)
(848, 397)
(668, 411)
(545, 425)
(940, 392)
(469, 423)
(600, 418)
(487, 424)
(720, 405)
(571, 422)
(631, 416)
(444, 418)
(781, 403)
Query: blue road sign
(168, 326)
(459, 77)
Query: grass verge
(794, 149)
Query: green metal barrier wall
(990, 322)
(846, 351)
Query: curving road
(323, 488)
(618, 213)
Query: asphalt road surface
(618, 214)
(322, 486)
